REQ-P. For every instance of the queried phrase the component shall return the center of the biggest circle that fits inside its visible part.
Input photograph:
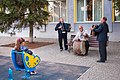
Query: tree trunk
(31, 33)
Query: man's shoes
(86, 54)
(101, 61)
(66, 49)
(61, 49)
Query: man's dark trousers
(64, 37)
(102, 50)
(86, 47)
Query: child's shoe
(33, 73)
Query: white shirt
(80, 35)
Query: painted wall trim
(103, 8)
(75, 11)
(113, 12)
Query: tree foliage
(25, 11)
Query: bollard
(10, 74)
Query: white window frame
(92, 12)
(115, 14)
(115, 17)
(60, 2)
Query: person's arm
(17, 47)
(76, 37)
(57, 27)
(99, 29)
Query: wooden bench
(92, 41)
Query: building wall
(114, 35)
(113, 26)
(107, 11)
(51, 33)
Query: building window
(57, 9)
(116, 12)
(117, 15)
(89, 10)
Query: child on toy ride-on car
(20, 46)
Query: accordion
(68, 27)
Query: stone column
(107, 8)
(70, 12)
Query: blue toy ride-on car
(25, 62)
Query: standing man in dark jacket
(62, 28)
(102, 37)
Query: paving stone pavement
(97, 71)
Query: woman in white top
(82, 35)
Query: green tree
(28, 12)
